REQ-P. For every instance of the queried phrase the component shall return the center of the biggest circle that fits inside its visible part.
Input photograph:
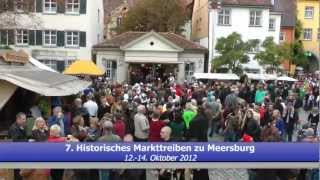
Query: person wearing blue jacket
(279, 123)
(59, 119)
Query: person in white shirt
(91, 106)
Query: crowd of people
(232, 111)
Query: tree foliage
(273, 54)
(233, 52)
(157, 15)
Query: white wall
(158, 45)
(240, 24)
(62, 22)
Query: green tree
(273, 54)
(233, 52)
(297, 50)
(157, 15)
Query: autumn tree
(157, 15)
(233, 52)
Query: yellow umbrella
(84, 67)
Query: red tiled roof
(127, 37)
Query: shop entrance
(149, 73)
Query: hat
(247, 138)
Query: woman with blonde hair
(40, 130)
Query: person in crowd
(34, 174)
(278, 123)
(155, 126)
(78, 109)
(268, 115)
(78, 130)
(55, 137)
(177, 126)
(17, 131)
(104, 106)
(91, 105)
(119, 127)
(198, 130)
(251, 126)
(93, 131)
(59, 119)
(189, 114)
(40, 131)
(290, 116)
(108, 136)
(260, 94)
(141, 125)
(313, 118)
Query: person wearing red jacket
(155, 127)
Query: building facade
(253, 20)
(200, 22)
(138, 56)
(308, 12)
(288, 23)
(67, 31)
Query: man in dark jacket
(17, 131)
(290, 118)
(198, 132)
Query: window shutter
(60, 66)
(83, 39)
(83, 6)
(60, 38)
(61, 6)
(39, 38)
(39, 5)
(32, 37)
(10, 5)
(3, 39)
(11, 36)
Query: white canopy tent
(286, 78)
(265, 77)
(216, 76)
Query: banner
(159, 152)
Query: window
(22, 37)
(110, 67)
(255, 49)
(119, 21)
(307, 34)
(255, 18)
(282, 37)
(319, 34)
(49, 38)
(189, 70)
(224, 17)
(72, 39)
(272, 25)
(51, 63)
(73, 6)
(50, 6)
(308, 12)
(4, 38)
